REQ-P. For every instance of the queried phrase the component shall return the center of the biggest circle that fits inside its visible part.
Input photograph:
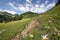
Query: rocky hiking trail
(32, 25)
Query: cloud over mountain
(12, 12)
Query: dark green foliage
(5, 17)
(16, 17)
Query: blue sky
(21, 6)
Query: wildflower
(57, 33)
(31, 35)
(49, 21)
(17, 35)
(45, 37)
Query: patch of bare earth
(32, 25)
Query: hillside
(49, 24)
(11, 29)
(29, 15)
(35, 26)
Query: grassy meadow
(12, 28)
(49, 21)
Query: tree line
(7, 17)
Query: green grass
(12, 28)
(49, 19)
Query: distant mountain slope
(29, 15)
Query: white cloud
(50, 6)
(25, 8)
(29, 1)
(0, 9)
(37, 8)
(22, 8)
(32, 9)
(12, 12)
(12, 5)
(42, 5)
(37, 5)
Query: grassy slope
(12, 28)
(50, 19)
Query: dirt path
(33, 24)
